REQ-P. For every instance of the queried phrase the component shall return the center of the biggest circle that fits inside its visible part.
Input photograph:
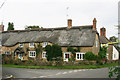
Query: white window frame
(20, 56)
(32, 52)
(67, 53)
(66, 59)
(21, 44)
(107, 56)
(45, 44)
(44, 56)
(7, 52)
(79, 56)
(31, 45)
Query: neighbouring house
(22, 43)
(112, 52)
(1, 30)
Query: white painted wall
(115, 55)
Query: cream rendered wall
(115, 54)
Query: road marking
(34, 77)
(58, 73)
(75, 70)
(64, 73)
(43, 76)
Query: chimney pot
(94, 23)
(69, 23)
(1, 27)
(103, 32)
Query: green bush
(53, 51)
(89, 56)
(102, 52)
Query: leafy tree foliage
(89, 56)
(70, 49)
(53, 51)
(102, 52)
(38, 49)
(10, 26)
(32, 27)
(114, 71)
(113, 39)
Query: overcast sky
(53, 13)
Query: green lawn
(63, 67)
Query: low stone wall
(33, 62)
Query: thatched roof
(75, 36)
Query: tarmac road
(44, 73)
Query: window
(114, 55)
(80, 56)
(21, 45)
(32, 54)
(44, 55)
(96, 43)
(107, 56)
(45, 44)
(7, 52)
(31, 44)
(20, 56)
(66, 55)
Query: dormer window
(21, 45)
(31, 44)
(45, 44)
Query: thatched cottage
(86, 38)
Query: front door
(20, 56)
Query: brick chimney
(1, 27)
(94, 23)
(69, 23)
(103, 32)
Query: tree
(113, 39)
(10, 26)
(38, 50)
(53, 51)
(32, 27)
(102, 52)
(48, 50)
(89, 56)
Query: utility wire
(2, 4)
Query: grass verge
(63, 67)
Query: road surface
(44, 73)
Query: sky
(53, 13)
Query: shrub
(53, 51)
(102, 52)
(89, 56)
